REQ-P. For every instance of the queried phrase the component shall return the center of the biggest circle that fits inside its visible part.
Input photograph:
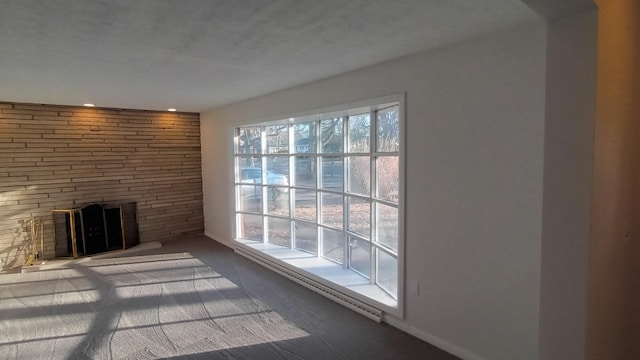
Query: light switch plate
(414, 288)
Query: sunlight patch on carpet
(144, 306)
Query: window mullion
(263, 166)
(346, 261)
(292, 181)
(319, 241)
(373, 270)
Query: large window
(325, 186)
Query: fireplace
(94, 229)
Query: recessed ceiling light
(89, 105)
(172, 109)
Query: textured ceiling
(194, 55)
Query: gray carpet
(193, 299)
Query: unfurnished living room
(303, 179)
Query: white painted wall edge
(430, 339)
(220, 239)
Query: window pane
(279, 231)
(388, 130)
(250, 227)
(249, 140)
(331, 136)
(388, 273)
(306, 236)
(305, 171)
(333, 245)
(305, 201)
(304, 135)
(250, 171)
(277, 201)
(359, 133)
(250, 198)
(332, 210)
(359, 175)
(326, 188)
(278, 170)
(387, 175)
(360, 216)
(332, 173)
(277, 139)
(360, 255)
(387, 225)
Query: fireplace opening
(94, 229)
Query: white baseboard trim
(393, 321)
(433, 340)
(302, 278)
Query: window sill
(328, 270)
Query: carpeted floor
(193, 299)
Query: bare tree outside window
(388, 130)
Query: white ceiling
(195, 54)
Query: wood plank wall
(58, 157)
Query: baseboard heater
(313, 285)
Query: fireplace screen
(94, 229)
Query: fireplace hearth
(94, 229)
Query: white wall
(475, 127)
(568, 179)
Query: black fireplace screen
(94, 229)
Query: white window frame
(345, 110)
